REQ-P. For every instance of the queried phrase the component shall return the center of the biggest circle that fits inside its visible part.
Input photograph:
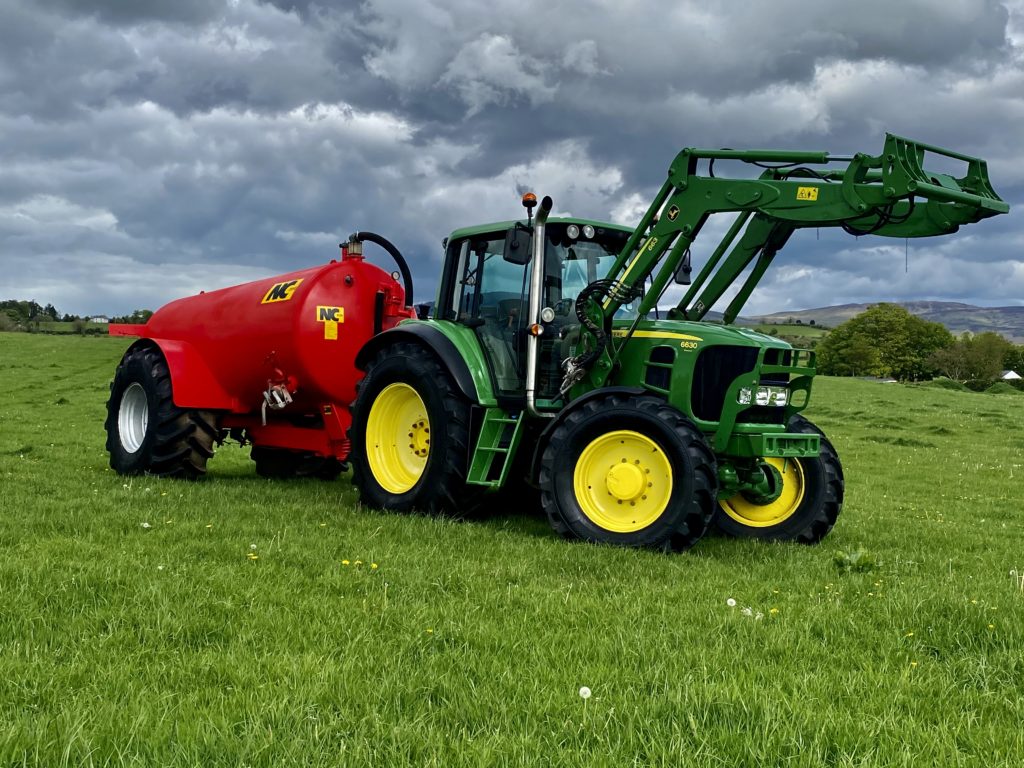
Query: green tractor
(546, 364)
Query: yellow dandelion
(373, 566)
(323, 525)
(909, 634)
(913, 663)
(344, 562)
(358, 562)
(430, 631)
(991, 626)
(210, 525)
(773, 611)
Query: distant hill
(957, 317)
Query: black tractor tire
(674, 524)
(439, 485)
(283, 464)
(146, 432)
(816, 512)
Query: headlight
(588, 231)
(765, 396)
(572, 231)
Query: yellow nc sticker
(330, 317)
(807, 193)
(281, 291)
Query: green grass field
(246, 622)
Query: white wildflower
(584, 693)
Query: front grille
(715, 370)
(762, 414)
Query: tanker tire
(689, 507)
(819, 507)
(164, 440)
(441, 488)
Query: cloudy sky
(152, 148)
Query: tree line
(888, 341)
(29, 316)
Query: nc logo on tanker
(281, 291)
(330, 317)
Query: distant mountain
(957, 317)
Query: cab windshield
(573, 261)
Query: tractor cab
(486, 287)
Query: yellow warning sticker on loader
(330, 317)
(807, 193)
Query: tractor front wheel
(410, 435)
(146, 431)
(807, 498)
(631, 471)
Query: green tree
(1013, 360)
(981, 356)
(885, 340)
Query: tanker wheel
(807, 498)
(146, 431)
(281, 464)
(410, 435)
(631, 471)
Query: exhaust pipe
(533, 318)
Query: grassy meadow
(246, 622)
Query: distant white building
(1009, 375)
(99, 319)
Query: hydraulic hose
(388, 246)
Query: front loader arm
(890, 194)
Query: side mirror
(518, 241)
(682, 275)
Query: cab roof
(500, 226)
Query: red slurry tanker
(270, 362)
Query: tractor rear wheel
(146, 431)
(631, 471)
(810, 497)
(410, 435)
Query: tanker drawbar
(269, 363)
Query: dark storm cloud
(173, 146)
(130, 12)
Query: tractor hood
(693, 335)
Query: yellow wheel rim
(397, 438)
(746, 512)
(623, 481)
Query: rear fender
(193, 384)
(459, 355)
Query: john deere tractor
(547, 364)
